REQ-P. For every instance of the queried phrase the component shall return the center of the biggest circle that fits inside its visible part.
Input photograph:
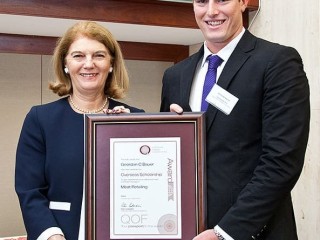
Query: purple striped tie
(210, 80)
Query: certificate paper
(145, 188)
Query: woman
(90, 74)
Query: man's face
(219, 20)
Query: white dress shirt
(202, 68)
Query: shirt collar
(225, 52)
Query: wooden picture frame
(100, 129)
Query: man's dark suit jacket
(254, 155)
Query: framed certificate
(144, 176)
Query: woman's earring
(111, 69)
(66, 70)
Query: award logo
(145, 149)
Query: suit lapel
(237, 59)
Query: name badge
(66, 206)
(221, 99)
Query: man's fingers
(176, 108)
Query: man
(257, 124)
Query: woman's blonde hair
(117, 82)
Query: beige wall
(145, 84)
(18, 92)
(24, 83)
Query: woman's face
(88, 62)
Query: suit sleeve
(171, 90)
(285, 128)
(165, 104)
(30, 181)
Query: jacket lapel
(237, 59)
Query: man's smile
(215, 23)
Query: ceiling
(55, 27)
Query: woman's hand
(56, 237)
(117, 109)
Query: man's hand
(206, 235)
(176, 108)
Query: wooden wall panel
(24, 44)
(147, 12)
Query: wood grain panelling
(147, 12)
(253, 5)
(154, 52)
(24, 44)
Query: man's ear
(244, 4)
